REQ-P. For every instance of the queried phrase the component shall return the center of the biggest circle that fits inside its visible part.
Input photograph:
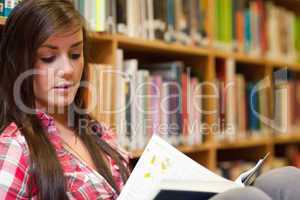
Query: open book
(163, 172)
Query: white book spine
(230, 99)
(131, 67)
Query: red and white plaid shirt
(83, 182)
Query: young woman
(43, 59)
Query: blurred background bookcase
(216, 52)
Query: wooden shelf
(243, 143)
(279, 63)
(143, 45)
(286, 138)
(184, 149)
(240, 57)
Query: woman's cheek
(42, 83)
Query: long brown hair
(28, 27)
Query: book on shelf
(170, 73)
(162, 171)
(243, 108)
(247, 26)
(253, 26)
(1, 7)
(101, 15)
(297, 32)
(184, 21)
(239, 25)
(6, 6)
(286, 100)
(156, 99)
(99, 98)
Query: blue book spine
(248, 34)
(252, 104)
(8, 6)
(170, 13)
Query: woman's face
(60, 65)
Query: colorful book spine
(252, 105)
(8, 6)
(1, 7)
(297, 38)
(156, 99)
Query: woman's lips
(63, 87)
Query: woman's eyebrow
(76, 44)
(55, 47)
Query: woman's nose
(66, 66)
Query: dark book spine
(110, 16)
(1, 7)
(160, 18)
(121, 12)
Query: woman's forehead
(65, 38)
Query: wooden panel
(287, 138)
(244, 143)
(248, 154)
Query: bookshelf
(211, 151)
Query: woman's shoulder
(15, 170)
(12, 136)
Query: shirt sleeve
(13, 169)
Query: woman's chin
(60, 104)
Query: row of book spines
(287, 104)
(168, 108)
(6, 6)
(244, 22)
(297, 33)
(247, 104)
(151, 19)
(252, 107)
(95, 12)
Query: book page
(160, 161)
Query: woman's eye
(75, 56)
(48, 59)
